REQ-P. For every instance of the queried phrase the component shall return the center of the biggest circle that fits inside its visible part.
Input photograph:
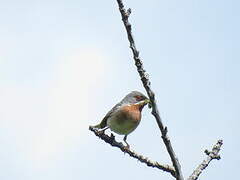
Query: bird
(125, 116)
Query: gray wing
(103, 123)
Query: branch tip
(207, 152)
(129, 11)
(213, 154)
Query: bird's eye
(138, 98)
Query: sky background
(64, 64)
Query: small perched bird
(125, 116)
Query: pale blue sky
(64, 64)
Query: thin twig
(211, 155)
(111, 140)
(146, 83)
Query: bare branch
(211, 155)
(111, 140)
(146, 83)
(174, 170)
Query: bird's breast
(125, 119)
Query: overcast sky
(64, 64)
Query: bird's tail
(101, 125)
(98, 126)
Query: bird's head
(137, 98)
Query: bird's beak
(146, 101)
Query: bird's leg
(125, 140)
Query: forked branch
(174, 170)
